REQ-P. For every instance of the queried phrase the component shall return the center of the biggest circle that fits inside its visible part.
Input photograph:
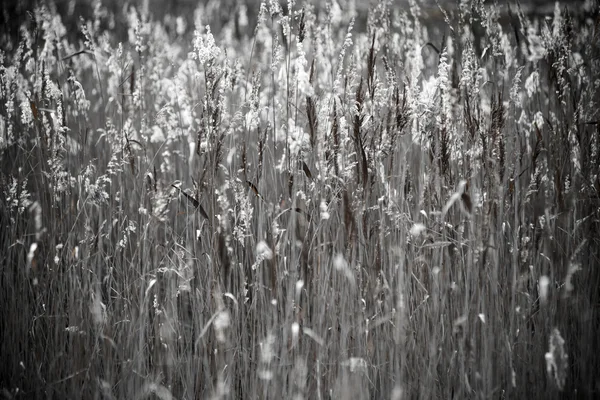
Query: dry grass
(404, 204)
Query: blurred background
(14, 12)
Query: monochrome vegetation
(300, 200)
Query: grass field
(292, 201)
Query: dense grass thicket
(300, 200)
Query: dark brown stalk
(311, 113)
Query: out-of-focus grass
(300, 202)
